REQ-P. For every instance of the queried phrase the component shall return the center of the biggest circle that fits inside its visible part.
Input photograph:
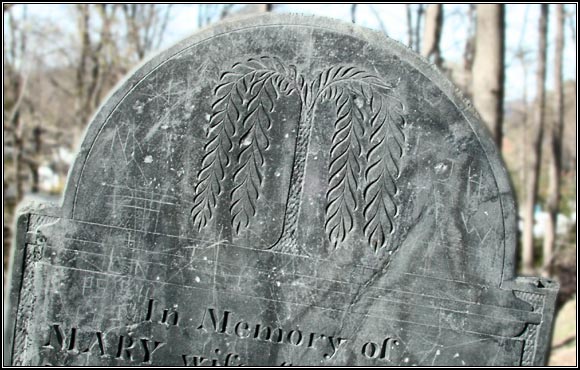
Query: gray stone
(279, 190)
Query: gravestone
(279, 190)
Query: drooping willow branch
(242, 98)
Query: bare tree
(469, 51)
(146, 24)
(521, 55)
(15, 86)
(555, 139)
(489, 64)
(93, 67)
(573, 30)
(571, 15)
(379, 20)
(16, 83)
(409, 25)
(535, 152)
(103, 59)
(209, 13)
(52, 86)
(433, 30)
(203, 17)
(418, 20)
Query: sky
(521, 32)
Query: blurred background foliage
(517, 63)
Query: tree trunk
(489, 67)
(555, 135)
(433, 30)
(469, 53)
(409, 26)
(420, 12)
(83, 13)
(525, 119)
(536, 146)
(18, 81)
(353, 13)
(35, 160)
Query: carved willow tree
(367, 145)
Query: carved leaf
(253, 142)
(386, 148)
(344, 167)
(244, 100)
(222, 127)
(382, 160)
(326, 82)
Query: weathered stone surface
(279, 190)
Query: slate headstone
(279, 190)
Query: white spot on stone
(277, 174)
(157, 278)
(138, 107)
(247, 141)
(406, 359)
(437, 353)
(148, 159)
(197, 279)
(164, 126)
(441, 168)
(207, 116)
(278, 283)
(456, 355)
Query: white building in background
(51, 181)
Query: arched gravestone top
(279, 190)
